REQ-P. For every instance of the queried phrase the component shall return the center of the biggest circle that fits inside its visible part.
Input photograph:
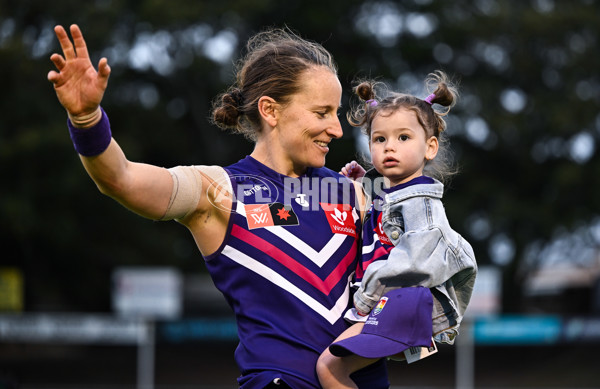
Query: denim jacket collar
(435, 190)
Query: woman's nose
(335, 129)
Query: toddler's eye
(403, 137)
(379, 139)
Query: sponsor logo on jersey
(268, 215)
(340, 218)
(379, 231)
(259, 189)
(301, 199)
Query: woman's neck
(276, 160)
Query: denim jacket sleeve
(427, 252)
(419, 258)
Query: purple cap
(400, 320)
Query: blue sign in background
(492, 330)
(517, 330)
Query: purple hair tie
(372, 102)
(429, 99)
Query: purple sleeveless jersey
(284, 267)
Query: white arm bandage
(187, 188)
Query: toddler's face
(399, 146)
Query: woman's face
(307, 125)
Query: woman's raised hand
(78, 85)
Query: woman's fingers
(58, 61)
(53, 76)
(103, 73)
(65, 43)
(80, 46)
(75, 49)
(103, 68)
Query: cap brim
(369, 346)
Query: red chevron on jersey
(379, 253)
(324, 286)
(340, 218)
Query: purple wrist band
(91, 141)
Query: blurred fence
(79, 329)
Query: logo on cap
(379, 306)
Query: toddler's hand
(353, 170)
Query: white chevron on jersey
(331, 315)
(368, 249)
(319, 258)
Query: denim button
(395, 234)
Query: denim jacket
(427, 252)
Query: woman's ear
(432, 148)
(267, 107)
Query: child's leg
(334, 372)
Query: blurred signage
(582, 330)
(518, 329)
(11, 290)
(485, 299)
(71, 328)
(147, 292)
(524, 329)
(224, 329)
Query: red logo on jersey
(340, 218)
(267, 215)
(379, 231)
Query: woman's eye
(322, 114)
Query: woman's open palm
(78, 85)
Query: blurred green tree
(524, 132)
